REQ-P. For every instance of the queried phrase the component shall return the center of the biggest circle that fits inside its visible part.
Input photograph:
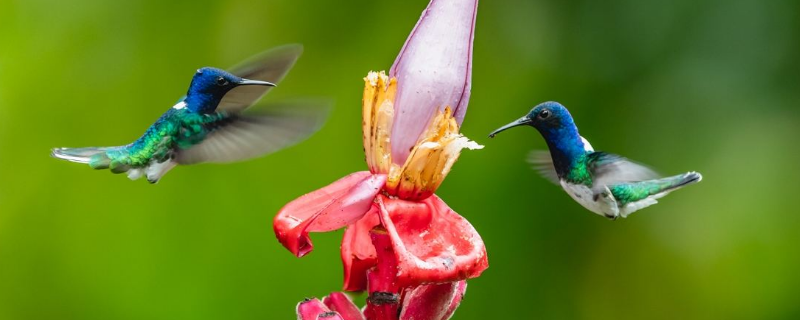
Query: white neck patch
(586, 145)
(179, 105)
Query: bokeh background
(706, 85)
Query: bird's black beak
(519, 122)
(248, 82)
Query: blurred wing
(269, 66)
(608, 169)
(243, 137)
(542, 162)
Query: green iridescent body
(176, 129)
(579, 172)
(624, 193)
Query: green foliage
(707, 85)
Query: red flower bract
(337, 205)
(431, 242)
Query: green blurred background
(709, 85)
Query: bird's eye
(544, 114)
(222, 82)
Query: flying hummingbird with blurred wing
(208, 123)
(604, 183)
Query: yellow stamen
(378, 115)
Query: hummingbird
(209, 124)
(605, 183)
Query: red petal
(358, 253)
(430, 301)
(461, 290)
(329, 208)
(342, 304)
(432, 242)
(313, 309)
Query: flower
(402, 242)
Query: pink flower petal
(313, 309)
(432, 242)
(342, 304)
(430, 302)
(461, 290)
(358, 253)
(433, 70)
(329, 208)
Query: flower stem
(383, 302)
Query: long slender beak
(519, 122)
(246, 82)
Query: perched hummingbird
(604, 183)
(207, 125)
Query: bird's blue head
(550, 118)
(558, 129)
(209, 85)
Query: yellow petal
(377, 118)
(430, 160)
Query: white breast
(602, 202)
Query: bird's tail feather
(682, 180)
(95, 157)
(638, 195)
(632, 192)
(661, 187)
